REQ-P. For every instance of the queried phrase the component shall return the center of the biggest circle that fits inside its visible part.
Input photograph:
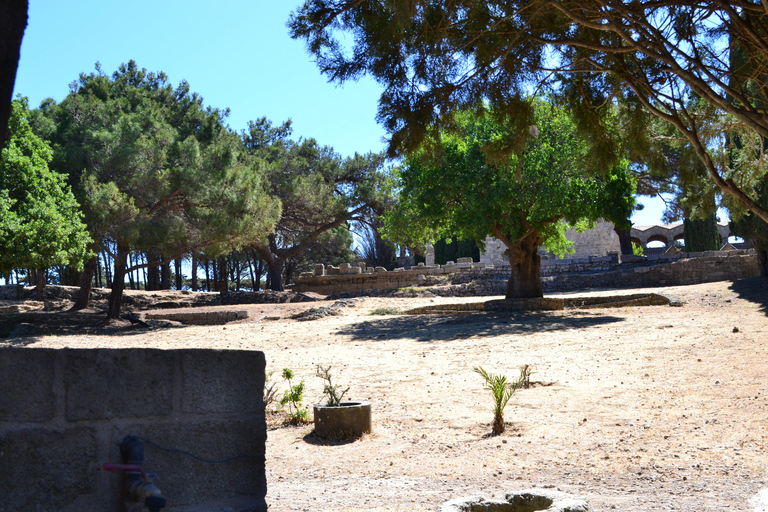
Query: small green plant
(525, 375)
(637, 250)
(293, 397)
(502, 391)
(330, 389)
(386, 311)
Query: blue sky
(235, 53)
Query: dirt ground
(634, 409)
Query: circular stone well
(529, 500)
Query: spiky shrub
(330, 389)
(293, 397)
(502, 391)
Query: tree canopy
(525, 202)
(157, 170)
(318, 189)
(40, 220)
(699, 66)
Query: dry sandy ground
(635, 409)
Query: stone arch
(657, 237)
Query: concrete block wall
(64, 413)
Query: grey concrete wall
(64, 413)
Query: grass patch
(386, 311)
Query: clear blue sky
(235, 53)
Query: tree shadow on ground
(26, 328)
(754, 289)
(429, 328)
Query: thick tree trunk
(625, 240)
(118, 282)
(275, 275)
(13, 21)
(86, 279)
(525, 281)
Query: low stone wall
(64, 413)
(478, 279)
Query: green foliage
(451, 250)
(502, 392)
(386, 311)
(157, 171)
(701, 234)
(317, 188)
(329, 389)
(293, 397)
(699, 67)
(637, 250)
(471, 191)
(41, 222)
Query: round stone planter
(348, 419)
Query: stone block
(187, 482)
(26, 381)
(319, 269)
(332, 271)
(464, 260)
(44, 469)
(112, 383)
(222, 381)
(380, 269)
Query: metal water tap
(139, 485)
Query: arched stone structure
(670, 232)
(657, 238)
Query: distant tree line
(128, 178)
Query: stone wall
(64, 413)
(611, 271)
(597, 242)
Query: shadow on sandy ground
(449, 327)
(753, 290)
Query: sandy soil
(635, 409)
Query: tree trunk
(86, 279)
(194, 272)
(625, 240)
(222, 285)
(762, 257)
(118, 282)
(13, 21)
(179, 277)
(165, 275)
(40, 283)
(525, 281)
(107, 269)
(275, 275)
